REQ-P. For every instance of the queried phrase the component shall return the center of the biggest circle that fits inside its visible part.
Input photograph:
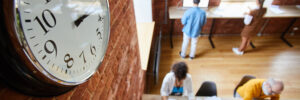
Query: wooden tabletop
(236, 10)
(145, 35)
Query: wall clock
(50, 46)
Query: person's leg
(248, 42)
(193, 47)
(244, 44)
(185, 44)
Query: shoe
(191, 58)
(237, 51)
(180, 55)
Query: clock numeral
(48, 49)
(46, 21)
(82, 54)
(69, 60)
(47, 1)
(28, 20)
(100, 19)
(99, 33)
(93, 50)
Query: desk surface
(158, 97)
(145, 35)
(236, 10)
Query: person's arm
(164, 91)
(248, 18)
(248, 11)
(248, 96)
(276, 97)
(184, 18)
(248, 93)
(164, 98)
(204, 21)
(189, 86)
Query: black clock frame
(16, 68)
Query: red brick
(66, 96)
(104, 93)
(78, 93)
(86, 95)
(93, 82)
(98, 92)
(277, 25)
(43, 98)
(214, 2)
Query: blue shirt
(193, 20)
(177, 91)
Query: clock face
(65, 39)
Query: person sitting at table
(260, 88)
(177, 82)
(253, 22)
(193, 21)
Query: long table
(145, 36)
(158, 97)
(234, 10)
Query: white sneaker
(236, 51)
(191, 58)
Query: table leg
(210, 34)
(286, 30)
(171, 32)
(252, 45)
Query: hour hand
(80, 19)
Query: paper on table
(276, 9)
(219, 11)
(209, 98)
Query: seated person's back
(260, 88)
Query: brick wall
(222, 26)
(286, 2)
(120, 76)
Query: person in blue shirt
(193, 21)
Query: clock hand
(80, 19)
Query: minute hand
(80, 19)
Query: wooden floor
(270, 58)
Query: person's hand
(247, 12)
(164, 98)
(249, 7)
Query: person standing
(253, 21)
(193, 21)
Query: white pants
(185, 44)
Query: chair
(244, 80)
(207, 88)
